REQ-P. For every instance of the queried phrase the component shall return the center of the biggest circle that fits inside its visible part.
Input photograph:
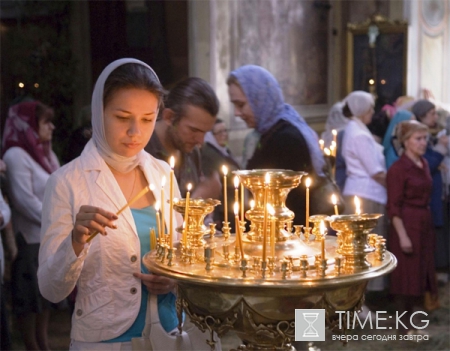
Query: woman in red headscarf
(30, 160)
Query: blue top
(145, 220)
(434, 160)
(390, 153)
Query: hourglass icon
(310, 318)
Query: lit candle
(334, 132)
(334, 202)
(225, 202)
(307, 184)
(323, 228)
(236, 188)
(172, 165)
(242, 203)
(266, 186)
(272, 229)
(238, 229)
(327, 152)
(163, 221)
(333, 148)
(357, 205)
(321, 143)
(186, 214)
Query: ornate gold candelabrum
(219, 289)
(278, 187)
(316, 219)
(354, 246)
(198, 209)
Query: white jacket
(363, 158)
(26, 184)
(108, 297)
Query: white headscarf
(119, 163)
(211, 139)
(359, 102)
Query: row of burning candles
(331, 151)
(239, 215)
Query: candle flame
(333, 145)
(270, 209)
(157, 206)
(267, 178)
(172, 162)
(163, 181)
(308, 182)
(322, 227)
(334, 132)
(224, 170)
(334, 199)
(152, 187)
(252, 204)
(357, 205)
(189, 187)
(236, 208)
(236, 182)
(327, 151)
(321, 142)
(175, 200)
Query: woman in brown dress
(411, 236)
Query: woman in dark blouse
(287, 142)
(411, 236)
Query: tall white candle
(163, 222)
(186, 214)
(266, 188)
(171, 181)
(225, 202)
(307, 184)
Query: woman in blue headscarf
(389, 150)
(287, 142)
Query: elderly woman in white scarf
(366, 167)
(83, 198)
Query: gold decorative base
(223, 287)
(353, 233)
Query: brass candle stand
(220, 290)
(198, 209)
(316, 219)
(353, 234)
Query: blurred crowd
(396, 161)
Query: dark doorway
(155, 32)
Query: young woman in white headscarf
(366, 167)
(83, 197)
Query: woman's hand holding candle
(134, 199)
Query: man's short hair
(195, 92)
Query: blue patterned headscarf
(389, 150)
(267, 102)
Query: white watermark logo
(310, 325)
(379, 319)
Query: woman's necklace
(134, 184)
